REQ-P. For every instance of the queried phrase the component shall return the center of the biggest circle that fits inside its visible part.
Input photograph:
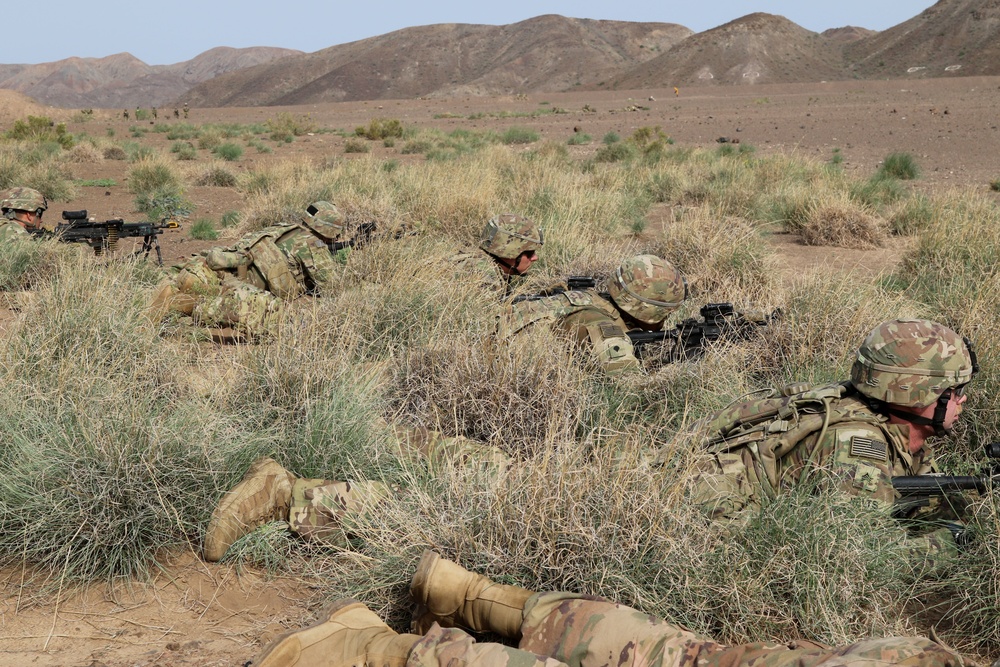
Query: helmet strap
(937, 421)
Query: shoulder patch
(869, 448)
(578, 298)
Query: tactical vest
(771, 426)
(282, 276)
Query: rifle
(915, 491)
(362, 236)
(573, 283)
(691, 336)
(102, 236)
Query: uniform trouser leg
(451, 647)
(584, 631)
(325, 510)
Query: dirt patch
(190, 613)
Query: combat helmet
(914, 363)
(325, 220)
(508, 235)
(647, 288)
(23, 199)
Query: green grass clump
(899, 165)
(995, 185)
(217, 176)
(40, 129)
(203, 229)
(228, 151)
(184, 150)
(579, 139)
(519, 135)
(96, 182)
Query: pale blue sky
(161, 32)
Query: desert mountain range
(543, 54)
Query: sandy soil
(194, 613)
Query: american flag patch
(867, 448)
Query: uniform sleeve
(857, 459)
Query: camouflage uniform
(20, 200)
(244, 286)
(505, 236)
(324, 510)
(584, 631)
(645, 288)
(553, 630)
(840, 433)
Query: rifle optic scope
(74, 215)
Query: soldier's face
(28, 219)
(523, 262)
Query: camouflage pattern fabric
(23, 199)
(450, 647)
(477, 263)
(508, 235)
(648, 288)
(590, 320)
(322, 510)
(586, 631)
(441, 452)
(244, 286)
(760, 448)
(911, 362)
(12, 230)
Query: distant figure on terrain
(555, 629)
(185, 110)
(677, 92)
(177, 113)
(125, 114)
(22, 210)
(154, 113)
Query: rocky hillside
(759, 48)
(123, 80)
(953, 37)
(546, 53)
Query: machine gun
(362, 235)
(915, 491)
(718, 321)
(104, 236)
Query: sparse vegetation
(228, 151)
(519, 135)
(579, 139)
(356, 146)
(40, 129)
(899, 165)
(381, 128)
(203, 229)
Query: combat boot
(447, 593)
(348, 635)
(264, 495)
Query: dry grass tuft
(843, 224)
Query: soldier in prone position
(643, 292)
(551, 630)
(22, 210)
(244, 286)
(907, 383)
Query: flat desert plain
(194, 613)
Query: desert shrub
(355, 146)
(579, 139)
(203, 229)
(286, 126)
(899, 165)
(184, 150)
(182, 132)
(380, 128)
(877, 192)
(912, 215)
(40, 129)
(416, 146)
(151, 174)
(995, 185)
(610, 138)
(258, 145)
(210, 139)
(228, 152)
(519, 135)
(616, 152)
(216, 176)
(84, 153)
(842, 223)
(164, 203)
(230, 219)
(115, 153)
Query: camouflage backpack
(771, 426)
